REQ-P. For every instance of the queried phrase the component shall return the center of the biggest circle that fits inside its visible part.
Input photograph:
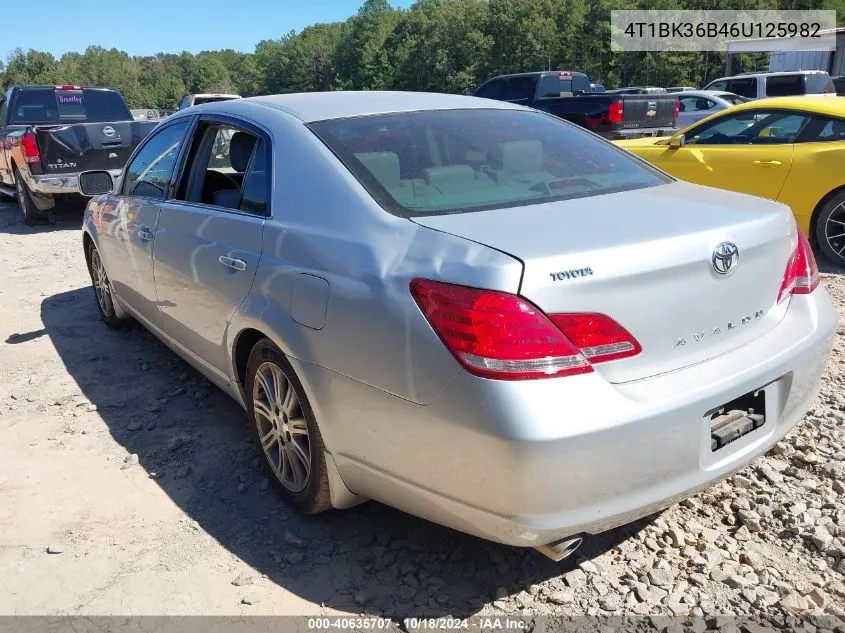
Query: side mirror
(677, 141)
(95, 183)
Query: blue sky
(145, 27)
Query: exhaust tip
(558, 550)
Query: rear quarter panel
(817, 169)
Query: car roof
(763, 73)
(833, 106)
(318, 106)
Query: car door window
(149, 173)
(221, 164)
(749, 128)
(718, 85)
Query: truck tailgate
(648, 111)
(78, 147)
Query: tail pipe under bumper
(558, 550)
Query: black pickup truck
(567, 95)
(49, 134)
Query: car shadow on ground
(194, 441)
(66, 216)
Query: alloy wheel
(101, 283)
(282, 428)
(834, 229)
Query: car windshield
(48, 105)
(451, 161)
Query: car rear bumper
(57, 184)
(530, 462)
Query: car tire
(285, 430)
(29, 212)
(103, 290)
(830, 229)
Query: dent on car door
(209, 239)
(749, 151)
(127, 223)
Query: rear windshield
(47, 105)
(452, 161)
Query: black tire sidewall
(31, 215)
(821, 222)
(314, 497)
(112, 319)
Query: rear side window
(452, 161)
(46, 105)
(823, 129)
(819, 83)
(256, 185)
(744, 87)
(785, 85)
(491, 90)
(519, 88)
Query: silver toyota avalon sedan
(466, 309)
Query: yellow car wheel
(830, 228)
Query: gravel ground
(130, 487)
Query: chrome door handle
(145, 234)
(231, 262)
(767, 163)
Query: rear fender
(42, 201)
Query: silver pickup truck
(49, 134)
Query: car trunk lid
(645, 258)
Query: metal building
(831, 61)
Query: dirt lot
(129, 486)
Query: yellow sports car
(790, 149)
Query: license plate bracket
(736, 418)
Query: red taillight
(677, 109)
(599, 337)
(500, 335)
(564, 73)
(67, 87)
(614, 114)
(802, 273)
(30, 148)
